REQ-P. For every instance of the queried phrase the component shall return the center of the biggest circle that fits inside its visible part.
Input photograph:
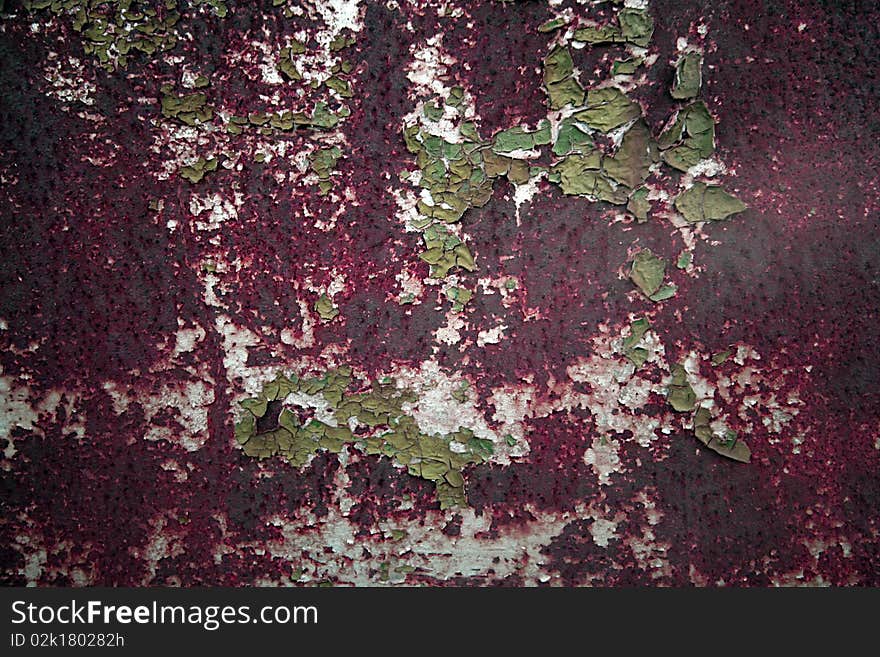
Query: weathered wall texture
(446, 293)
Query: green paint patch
(325, 308)
(727, 445)
(719, 358)
(197, 170)
(608, 108)
(665, 292)
(688, 76)
(433, 111)
(517, 138)
(690, 138)
(703, 202)
(626, 66)
(639, 205)
(456, 97)
(571, 137)
(599, 34)
(553, 24)
(679, 393)
(647, 272)
(638, 355)
(634, 26)
(562, 88)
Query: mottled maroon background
(98, 284)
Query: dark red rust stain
(555, 476)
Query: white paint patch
(236, 340)
(603, 531)
(523, 194)
(429, 67)
(17, 410)
(219, 210)
(185, 339)
(491, 336)
(514, 550)
(339, 15)
(67, 82)
(319, 406)
(307, 339)
(603, 458)
(450, 333)
(189, 402)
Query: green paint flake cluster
(690, 138)
(190, 109)
(459, 297)
(610, 178)
(679, 393)
(271, 427)
(114, 30)
(638, 355)
(633, 26)
(454, 173)
(342, 41)
(193, 109)
(287, 60)
(460, 175)
(681, 396)
(444, 251)
(584, 170)
(323, 162)
(618, 178)
(197, 170)
(266, 123)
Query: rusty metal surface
(164, 260)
